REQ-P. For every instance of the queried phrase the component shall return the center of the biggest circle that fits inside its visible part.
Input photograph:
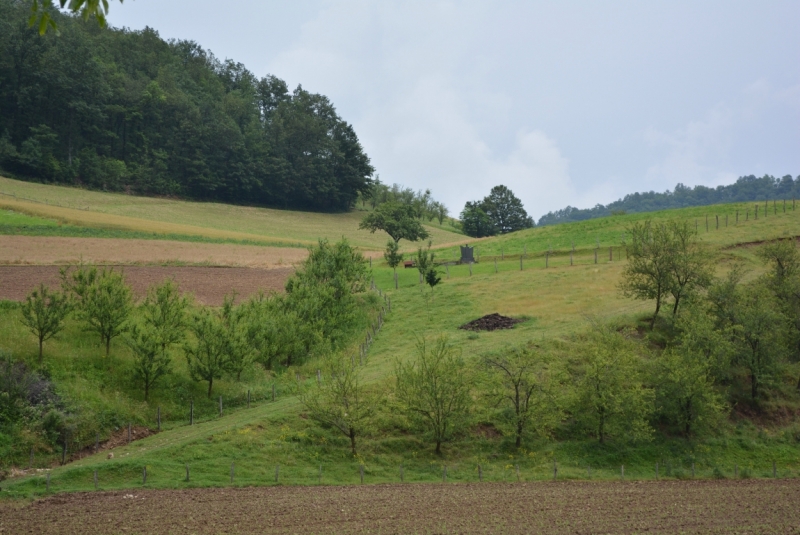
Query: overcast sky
(564, 102)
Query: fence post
(187, 473)
(277, 473)
(611, 253)
(158, 417)
(95, 480)
(370, 262)
(784, 206)
(273, 391)
(517, 468)
(319, 477)
(622, 471)
(692, 470)
(546, 259)
(470, 269)
(447, 270)
(144, 476)
(656, 471)
(520, 263)
(747, 214)
(756, 212)
(706, 223)
(695, 226)
(774, 470)
(737, 217)
(319, 377)
(361, 472)
(595, 255)
(395, 280)
(555, 469)
(570, 258)
(444, 474)
(220, 405)
(480, 473)
(726, 220)
(401, 472)
(717, 216)
(48, 481)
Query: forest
(121, 110)
(745, 189)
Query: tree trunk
(40, 349)
(146, 390)
(210, 382)
(518, 441)
(658, 307)
(108, 345)
(438, 447)
(753, 386)
(353, 440)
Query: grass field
(555, 303)
(119, 212)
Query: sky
(566, 103)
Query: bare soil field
(57, 250)
(209, 285)
(726, 506)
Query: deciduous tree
(43, 313)
(398, 220)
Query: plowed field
(742, 506)
(209, 285)
(58, 250)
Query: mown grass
(215, 220)
(555, 302)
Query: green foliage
(208, 356)
(398, 220)
(43, 313)
(610, 397)
(341, 400)
(523, 386)
(500, 212)
(104, 301)
(664, 258)
(151, 361)
(475, 222)
(434, 390)
(164, 311)
(240, 353)
(392, 254)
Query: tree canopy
(123, 110)
(397, 220)
(499, 212)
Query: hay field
(58, 250)
(216, 220)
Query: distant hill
(745, 189)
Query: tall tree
(208, 357)
(475, 222)
(505, 211)
(107, 305)
(151, 360)
(689, 265)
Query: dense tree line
(125, 110)
(745, 189)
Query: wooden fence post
(622, 471)
(187, 473)
(747, 214)
(611, 254)
(319, 377)
(774, 470)
(555, 470)
(756, 212)
(595, 255)
(144, 476)
(273, 391)
(520, 263)
(495, 265)
(248, 398)
(517, 468)
(692, 470)
(547, 259)
(588, 471)
(444, 474)
(570, 257)
(480, 473)
(361, 472)
(656, 471)
(401, 472)
(737, 217)
(706, 223)
(48, 481)
(470, 269)
(319, 477)
(717, 216)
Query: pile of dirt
(491, 322)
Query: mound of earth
(490, 322)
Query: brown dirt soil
(58, 250)
(209, 285)
(727, 506)
(490, 322)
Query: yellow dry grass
(214, 220)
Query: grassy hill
(178, 219)
(556, 303)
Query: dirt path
(209, 285)
(743, 506)
(59, 250)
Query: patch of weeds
(717, 473)
(473, 336)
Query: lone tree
(392, 254)
(505, 211)
(43, 313)
(498, 213)
(434, 390)
(341, 401)
(399, 221)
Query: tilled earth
(209, 285)
(721, 506)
